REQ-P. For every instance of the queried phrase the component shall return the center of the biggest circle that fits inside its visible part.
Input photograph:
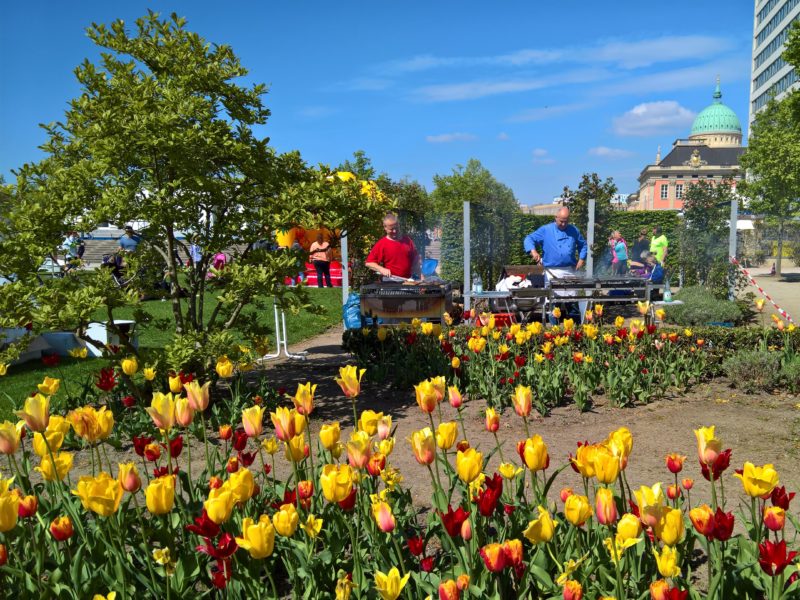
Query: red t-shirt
(398, 256)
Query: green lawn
(21, 380)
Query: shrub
(752, 370)
(790, 374)
(701, 307)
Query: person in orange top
(320, 255)
(395, 253)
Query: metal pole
(345, 274)
(590, 240)
(732, 243)
(467, 280)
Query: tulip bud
(492, 420)
(225, 432)
(61, 528)
(184, 414)
(774, 518)
(673, 491)
(462, 446)
(453, 395)
(376, 464)
(129, 478)
(152, 452)
(566, 493)
(384, 427)
(462, 582)
(305, 489)
(466, 530)
(659, 590)
(687, 483)
(605, 506)
(675, 463)
(233, 465)
(448, 590)
(214, 483)
(27, 507)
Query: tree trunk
(780, 249)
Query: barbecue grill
(610, 288)
(402, 302)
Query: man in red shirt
(394, 254)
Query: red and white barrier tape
(761, 290)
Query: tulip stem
(310, 449)
(461, 420)
(205, 443)
(144, 542)
(357, 579)
(110, 470)
(189, 465)
(499, 449)
(12, 464)
(271, 580)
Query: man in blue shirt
(129, 241)
(561, 243)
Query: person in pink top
(394, 254)
(320, 255)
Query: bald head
(562, 218)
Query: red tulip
(3, 555)
(203, 526)
(487, 498)
(349, 502)
(223, 549)
(675, 463)
(416, 545)
(129, 401)
(176, 446)
(723, 525)
(225, 432)
(51, 360)
(494, 557)
(453, 520)
(106, 379)
(774, 517)
(773, 557)
(239, 440)
(722, 462)
(780, 498)
(426, 564)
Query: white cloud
(446, 138)
(542, 157)
(651, 118)
(626, 54)
(472, 90)
(546, 112)
(503, 136)
(612, 153)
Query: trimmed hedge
(628, 222)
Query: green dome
(716, 118)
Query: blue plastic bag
(351, 312)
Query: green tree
(492, 206)
(772, 162)
(704, 235)
(162, 133)
(591, 186)
(361, 166)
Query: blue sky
(539, 92)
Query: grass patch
(21, 380)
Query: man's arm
(378, 269)
(583, 247)
(531, 241)
(375, 257)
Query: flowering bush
(340, 524)
(630, 362)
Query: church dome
(716, 118)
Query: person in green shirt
(659, 244)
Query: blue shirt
(621, 251)
(559, 246)
(129, 243)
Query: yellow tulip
(455, 363)
(350, 380)
(606, 465)
(509, 470)
(9, 510)
(242, 485)
(252, 421)
(129, 366)
(304, 398)
(382, 513)
(629, 527)
(384, 426)
(359, 449)
(63, 464)
(621, 443)
(382, 333)
(36, 412)
(79, 352)
(101, 494)
(758, 481)
(295, 449)
(49, 386)
(670, 526)
(224, 367)
(160, 495)
(668, 562)
(369, 421)
(257, 538)
(390, 585)
(5, 484)
(605, 506)
(175, 384)
(386, 446)
(540, 530)
(3, 369)
(423, 445)
(219, 504)
(162, 410)
(128, 477)
(427, 396)
(535, 453)
(300, 422)
(284, 422)
(708, 446)
(329, 435)
(469, 464)
(643, 307)
(446, 435)
(660, 314)
(617, 546)
(270, 445)
(149, 373)
(522, 400)
(184, 413)
(286, 520)
(312, 526)
(651, 504)
(110, 596)
(105, 422)
(577, 509)
(584, 460)
(336, 482)
(197, 395)
(10, 435)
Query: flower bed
(341, 524)
(629, 364)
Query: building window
(679, 191)
(664, 191)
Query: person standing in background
(641, 247)
(659, 245)
(320, 255)
(620, 250)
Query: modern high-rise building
(771, 75)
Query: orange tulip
(423, 445)
(605, 506)
(492, 420)
(197, 395)
(427, 397)
(522, 400)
